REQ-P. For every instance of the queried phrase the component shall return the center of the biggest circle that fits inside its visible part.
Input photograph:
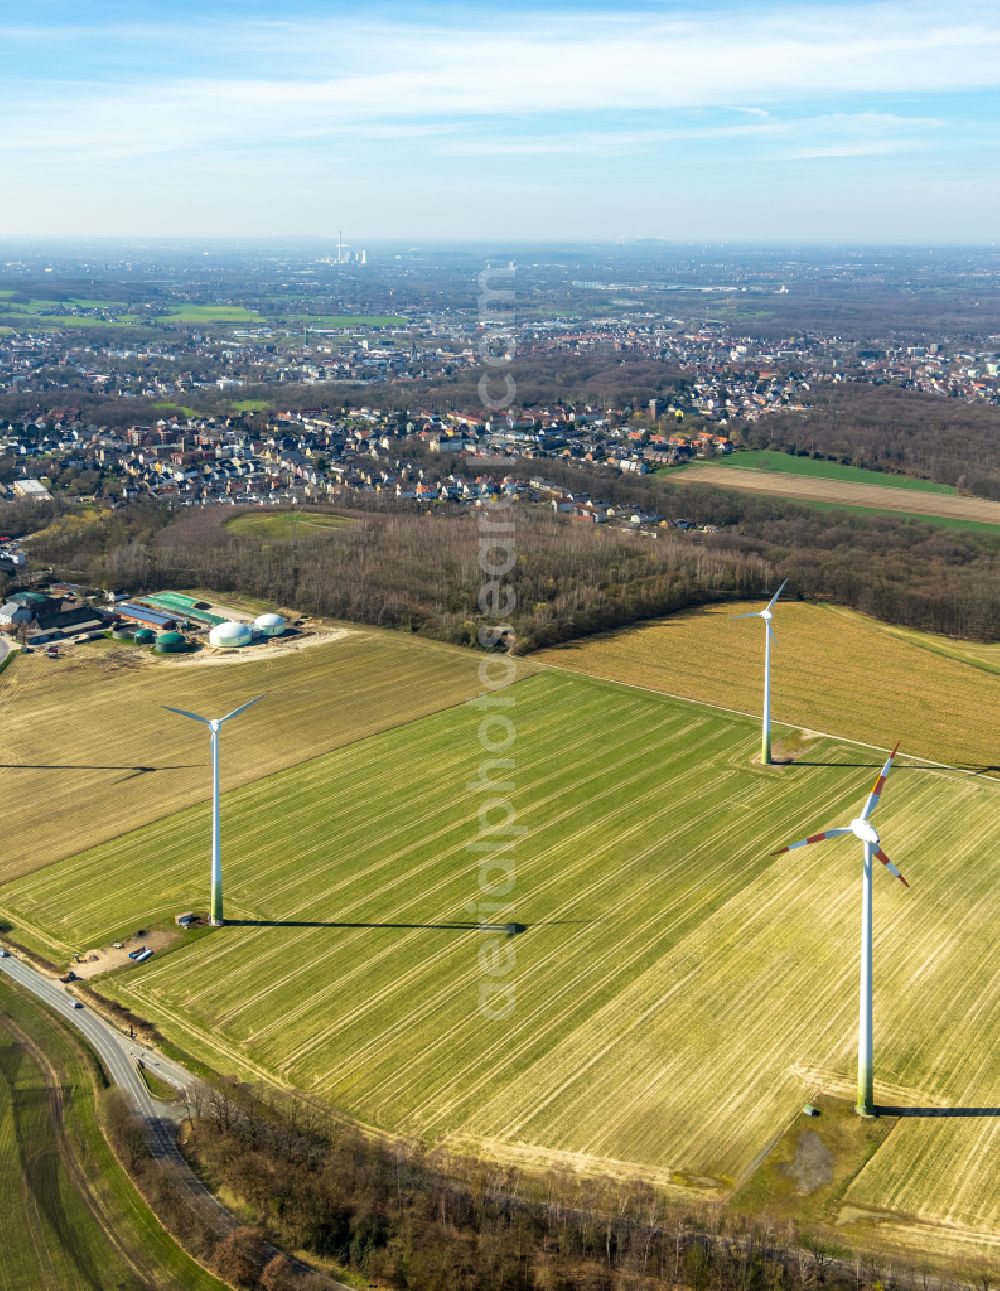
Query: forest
(887, 428)
(394, 1214)
(398, 566)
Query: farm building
(182, 606)
(144, 616)
(230, 636)
(44, 618)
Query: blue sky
(691, 121)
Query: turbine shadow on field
(937, 1111)
(458, 925)
(871, 766)
(90, 766)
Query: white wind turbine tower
(863, 829)
(214, 724)
(766, 614)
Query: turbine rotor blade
(772, 634)
(194, 716)
(813, 838)
(878, 786)
(241, 709)
(893, 869)
(754, 614)
(770, 603)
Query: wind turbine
(863, 829)
(767, 615)
(214, 724)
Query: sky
(688, 121)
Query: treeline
(238, 1253)
(885, 428)
(401, 1217)
(412, 571)
(398, 566)
(902, 571)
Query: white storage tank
(230, 636)
(269, 625)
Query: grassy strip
(158, 1088)
(771, 460)
(111, 1213)
(938, 522)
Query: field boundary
(791, 726)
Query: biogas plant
(172, 622)
(235, 635)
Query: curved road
(119, 1055)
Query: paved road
(119, 1055)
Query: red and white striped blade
(813, 838)
(878, 786)
(893, 869)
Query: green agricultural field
(70, 1216)
(937, 522)
(678, 993)
(211, 314)
(766, 459)
(283, 525)
(88, 751)
(884, 497)
(53, 322)
(833, 671)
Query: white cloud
(334, 78)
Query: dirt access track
(879, 498)
(94, 962)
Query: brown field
(88, 752)
(910, 501)
(833, 671)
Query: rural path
(119, 1056)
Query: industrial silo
(230, 636)
(269, 625)
(170, 643)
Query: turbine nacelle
(861, 827)
(864, 830)
(766, 615)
